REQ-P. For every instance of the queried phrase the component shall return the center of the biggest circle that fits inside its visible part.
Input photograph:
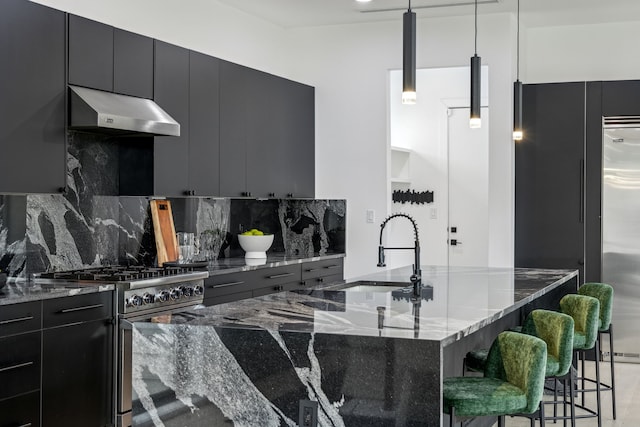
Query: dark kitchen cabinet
(77, 362)
(204, 125)
(110, 59)
(32, 105)
(266, 135)
(171, 93)
(234, 124)
(90, 53)
(549, 197)
(132, 64)
(558, 171)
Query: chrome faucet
(416, 277)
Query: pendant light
(474, 118)
(517, 89)
(409, 57)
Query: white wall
(582, 53)
(203, 25)
(349, 67)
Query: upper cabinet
(32, 104)
(266, 135)
(109, 59)
(186, 86)
(171, 93)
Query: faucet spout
(416, 276)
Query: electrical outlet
(308, 414)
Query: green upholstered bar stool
(513, 381)
(585, 311)
(604, 293)
(556, 330)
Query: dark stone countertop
(232, 265)
(25, 291)
(455, 302)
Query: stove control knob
(134, 301)
(163, 296)
(148, 298)
(176, 293)
(198, 290)
(188, 291)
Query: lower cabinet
(76, 374)
(229, 287)
(56, 362)
(77, 361)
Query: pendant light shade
(517, 110)
(518, 133)
(409, 57)
(475, 121)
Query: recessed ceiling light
(363, 1)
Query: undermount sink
(380, 287)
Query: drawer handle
(20, 319)
(224, 285)
(277, 276)
(86, 307)
(311, 270)
(329, 267)
(25, 425)
(21, 365)
(320, 279)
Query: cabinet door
(549, 223)
(32, 104)
(204, 125)
(132, 64)
(77, 375)
(90, 53)
(234, 120)
(266, 161)
(19, 364)
(171, 92)
(299, 139)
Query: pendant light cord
(475, 46)
(410, 5)
(518, 45)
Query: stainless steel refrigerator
(621, 231)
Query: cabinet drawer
(324, 280)
(19, 364)
(18, 318)
(272, 277)
(327, 267)
(222, 299)
(21, 411)
(76, 309)
(225, 284)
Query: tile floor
(627, 397)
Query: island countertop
(456, 301)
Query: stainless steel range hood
(110, 113)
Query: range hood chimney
(104, 112)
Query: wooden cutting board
(164, 231)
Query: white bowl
(255, 246)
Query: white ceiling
(305, 13)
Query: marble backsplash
(90, 225)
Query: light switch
(371, 216)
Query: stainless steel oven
(142, 293)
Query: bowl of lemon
(255, 243)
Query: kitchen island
(363, 353)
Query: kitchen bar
(364, 351)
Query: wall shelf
(400, 165)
